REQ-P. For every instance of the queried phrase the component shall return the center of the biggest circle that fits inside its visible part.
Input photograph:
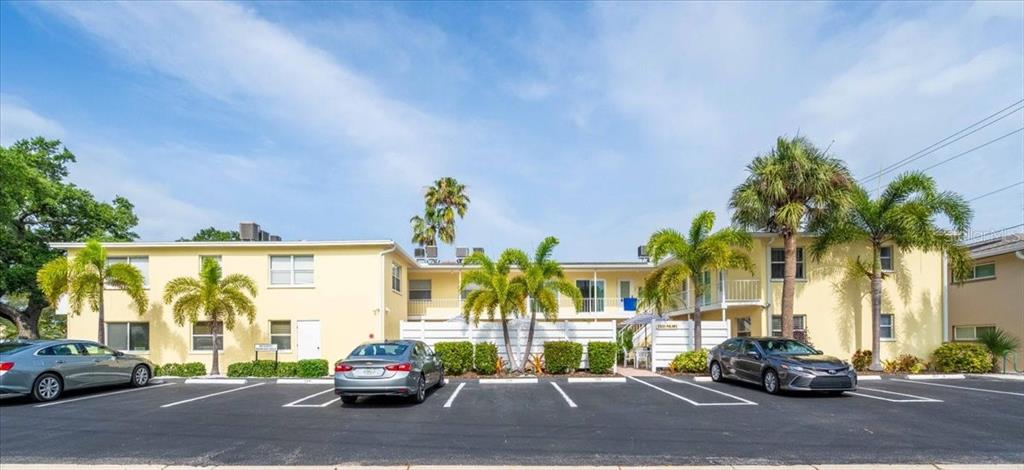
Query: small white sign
(266, 347)
(668, 326)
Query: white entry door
(308, 339)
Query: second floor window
(983, 271)
(885, 253)
(419, 289)
(291, 270)
(779, 263)
(140, 262)
(396, 277)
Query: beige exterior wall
(997, 301)
(344, 298)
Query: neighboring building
(321, 299)
(993, 296)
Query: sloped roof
(997, 246)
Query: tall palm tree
(654, 298)
(544, 280)
(217, 298)
(903, 216)
(496, 292)
(84, 278)
(693, 254)
(444, 200)
(789, 189)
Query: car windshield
(12, 347)
(785, 346)
(385, 349)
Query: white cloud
(975, 71)
(19, 122)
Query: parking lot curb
(998, 376)
(940, 466)
(861, 378)
(592, 380)
(934, 376)
(216, 381)
(305, 381)
(530, 380)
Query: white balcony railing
(426, 307)
(743, 290)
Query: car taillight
(5, 366)
(403, 367)
(342, 368)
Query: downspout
(945, 297)
(382, 307)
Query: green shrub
(457, 356)
(562, 357)
(601, 356)
(287, 369)
(264, 368)
(240, 369)
(485, 358)
(187, 369)
(962, 357)
(861, 359)
(904, 363)
(312, 368)
(999, 343)
(690, 362)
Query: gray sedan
(402, 368)
(780, 364)
(44, 369)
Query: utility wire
(947, 140)
(996, 191)
(965, 152)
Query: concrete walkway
(631, 372)
(940, 466)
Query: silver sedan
(402, 368)
(44, 369)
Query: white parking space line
(451, 399)
(564, 395)
(694, 403)
(734, 397)
(182, 402)
(913, 398)
(933, 384)
(295, 404)
(90, 397)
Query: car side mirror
(818, 352)
(754, 354)
(118, 354)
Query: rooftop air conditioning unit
(478, 249)
(275, 238)
(264, 236)
(641, 252)
(248, 231)
(430, 251)
(420, 254)
(461, 252)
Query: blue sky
(596, 123)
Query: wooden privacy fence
(669, 338)
(433, 332)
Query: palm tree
(691, 255)
(444, 200)
(84, 278)
(217, 298)
(793, 185)
(544, 280)
(903, 216)
(495, 293)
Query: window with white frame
(140, 262)
(982, 271)
(396, 277)
(203, 258)
(281, 334)
(743, 326)
(799, 326)
(625, 289)
(779, 263)
(291, 270)
(885, 255)
(970, 332)
(128, 336)
(202, 337)
(886, 326)
(419, 289)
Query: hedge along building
(320, 299)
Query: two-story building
(320, 299)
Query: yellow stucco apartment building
(320, 299)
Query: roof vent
(249, 231)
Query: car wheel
(716, 371)
(421, 390)
(349, 399)
(770, 380)
(140, 376)
(47, 387)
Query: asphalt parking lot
(650, 420)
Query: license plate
(368, 372)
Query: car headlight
(792, 367)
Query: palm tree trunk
(696, 326)
(529, 341)
(215, 367)
(788, 283)
(508, 342)
(876, 310)
(101, 337)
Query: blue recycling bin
(629, 304)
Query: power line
(946, 141)
(996, 191)
(954, 157)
